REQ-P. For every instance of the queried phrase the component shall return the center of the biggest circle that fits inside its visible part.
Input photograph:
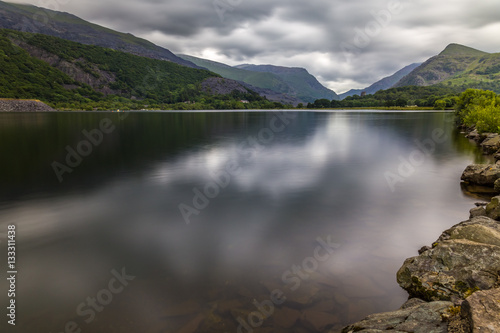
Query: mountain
(28, 18)
(268, 85)
(385, 83)
(302, 84)
(70, 75)
(454, 60)
(294, 84)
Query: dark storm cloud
(345, 43)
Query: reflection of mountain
(37, 140)
(322, 176)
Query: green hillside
(303, 85)
(457, 49)
(459, 66)
(29, 18)
(483, 73)
(294, 82)
(70, 75)
(261, 80)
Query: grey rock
(496, 185)
(482, 310)
(412, 302)
(481, 174)
(423, 249)
(491, 144)
(497, 156)
(18, 105)
(493, 208)
(478, 211)
(418, 317)
(474, 135)
(464, 259)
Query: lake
(221, 221)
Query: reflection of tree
(468, 147)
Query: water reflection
(321, 177)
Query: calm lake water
(210, 221)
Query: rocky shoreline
(22, 105)
(454, 285)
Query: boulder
(464, 259)
(414, 316)
(497, 156)
(475, 212)
(474, 135)
(481, 174)
(491, 144)
(482, 311)
(493, 208)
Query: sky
(344, 43)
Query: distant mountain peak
(457, 49)
(385, 83)
(271, 68)
(461, 64)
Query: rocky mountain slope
(70, 74)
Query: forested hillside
(69, 75)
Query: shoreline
(453, 286)
(23, 105)
(35, 105)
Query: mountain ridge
(450, 63)
(268, 85)
(304, 85)
(454, 49)
(73, 76)
(384, 83)
(29, 18)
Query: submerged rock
(465, 258)
(414, 316)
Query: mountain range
(285, 81)
(385, 83)
(457, 66)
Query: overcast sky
(344, 43)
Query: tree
(401, 102)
